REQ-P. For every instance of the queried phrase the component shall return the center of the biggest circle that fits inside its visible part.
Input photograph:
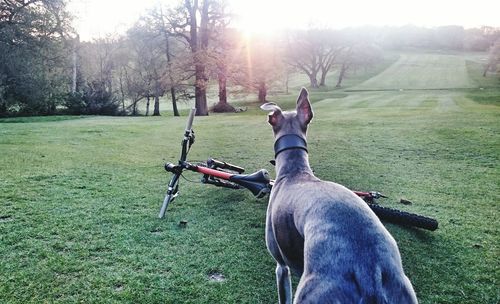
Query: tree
(133, 83)
(150, 62)
(313, 51)
(193, 22)
(493, 59)
(226, 64)
(160, 22)
(476, 40)
(356, 55)
(99, 65)
(262, 65)
(34, 70)
(449, 37)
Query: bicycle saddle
(257, 183)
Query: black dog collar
(289, 141)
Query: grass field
(416, 71)
(79, 197)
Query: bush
(74, 104)
(95, 100)
(223, 107)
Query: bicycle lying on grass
(222, 174)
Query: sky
(99, 18)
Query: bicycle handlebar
(189, 124)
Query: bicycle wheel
(404, 218)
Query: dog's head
(290, 122)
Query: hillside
(416, 71)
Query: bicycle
(222, 174)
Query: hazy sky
(101, 17)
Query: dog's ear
(275, 116)
(304, 110)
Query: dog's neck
(289, 141)
(292, 162)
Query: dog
(323, 232)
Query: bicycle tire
(404, 218)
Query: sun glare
(252, 19)
(97, 18)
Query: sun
(250, 27)
(252, 32)
(259, 17)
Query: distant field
(415, 71)
(79, 198)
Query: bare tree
(159, 20)
(263, 66)
(193, 22)
(184, 22)
(98, 60)
(313, 52)
(356, 55)
(227, 64)
(149, 62)
(99, 66)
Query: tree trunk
(75, 64)
(3, 108)
(343, 69)
(172, 86)
(486, 70)
(200, 94)
(204, 25)
(322, 81)
(222, 106)
(200, 90)
(147, 106)
(174, 102)
(156, 111)
(134, 107)
(287, 79)
(314, 81)
(201, 101)
(201, 76)
(262, 92)
(222, 88)
(122, 91)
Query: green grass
(79, 199)
(485, 96)
(415, 71)
(475, 70)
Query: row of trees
(34, 49)
(181, 52)
(450, 37)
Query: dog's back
(347, 255)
